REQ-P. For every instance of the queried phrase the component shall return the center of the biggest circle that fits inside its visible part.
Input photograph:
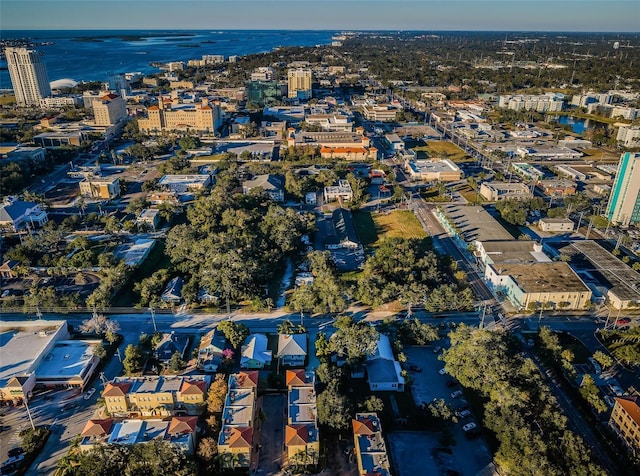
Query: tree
(590, 392)
(217, 394)
(176, 364)
(373, 404)
(333, 407)
(234, 332)
(208, 449)
(99, 351)
(132, 362)
(286, 327)
(99, 325)
(189, 142)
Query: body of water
(93, 55)
(579, 125)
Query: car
(15, 452)
(89, 394)
(414, 368)
(451, 383)
(442, 371)
(456, 394)
(623, 321)
(463, 413)
(69, 406)
(6, 293)
(469, 426)
(437, 349)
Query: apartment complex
(550, 102)
(371, 451)
(624, 201)
(200, 117)
(109, 110)
(299, 82)
(156, 396)
(629, 136)
(238, 435)
(301, 432)
(28, 76)
(625, 421)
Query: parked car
(452, 383)
(15, 452)
(456, 394)
(442, 371)
(414, 368)
(464, 413)
(623, 321)
(437, 349)
(469, 426)
(89, 394)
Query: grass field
(372, 228)
(600, 154)
(7, 99)
(444, 150)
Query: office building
(625, 421)
(496, 191)
(629, 136)
(624, 202)
(201, 117)
(263, 93)
(299, 81)
(109, 110)
(263, 73)
(100, 188)
(119, 84)
(28, 76)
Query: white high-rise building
(28, 76)
(624, 202)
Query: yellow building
(301, 433)
(201, 117)
(371, 452)
(625, 421)
(101, 188)
(156, 396)
(109, 110)
(299, 83)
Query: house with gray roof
(16, 215)
(272, 184)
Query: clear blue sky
(530, 15)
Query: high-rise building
(28, 76)
(624, 202)
(119, 84)
(300, 83)
(109, 110)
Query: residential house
(272, 184)
(292, 349)
(210, 351)
(16, 215)
(625, 421)
(345, 235)
(254, 352)
(301, 432)
(383, 371)
(341, 192)
(180, 431)
(173, 292)
(156, 395)
(149, 217)
(169, 345)
(370, 449)
(8, 269)
(238, 435)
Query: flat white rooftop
(68, 358)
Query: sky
(494, 15)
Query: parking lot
(421, 452)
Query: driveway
(272, 434)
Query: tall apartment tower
(299, 83)
(28, 76)
(624, 202)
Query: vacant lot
(374, 227)
(444, 150)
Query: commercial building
(552, 285)
(556, 225)
(471, 224)
(53, 140)
(341, 192)
(427, 170)
(548, 152)
(180, 431)
(624, 202)
(40, 353)
(625, 421)
(198, 117)
(238, 435)
(301, 437)
(156, 395)
(557, 188)
(185, 183)
(134, 253)
(28, 76)
(331, 122)
(100, 188)
(263, 73)
(370, 448)
(571, 172)
(263, 93)
(16, 215)
(344, 231)
(299, 83)
(109, 110)
(498, 252)
(527, 171)
(379, 112)
(495, 191)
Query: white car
(469, 426)
(442, 371)
(89, 394)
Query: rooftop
(475, 223)
(433, 166)
(555, 276)
(68, 358)
(154, 384)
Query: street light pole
(153, 319)
(26, 405)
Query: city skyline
(463, 15)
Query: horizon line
(343, 30)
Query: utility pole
(26, 405)
(153, 318)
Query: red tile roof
(363, 427)
(183, 424)
(97, 427)
(296, 435)
(241, 437)
(109, 97)
(191, 387)
(116, 389)
(631, 407)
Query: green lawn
(444, 150)
(374, 227)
